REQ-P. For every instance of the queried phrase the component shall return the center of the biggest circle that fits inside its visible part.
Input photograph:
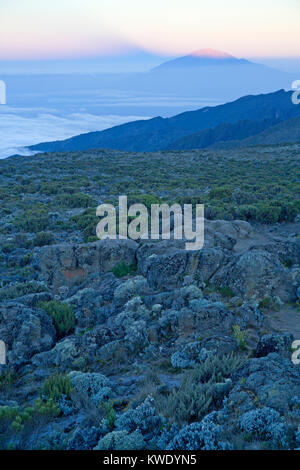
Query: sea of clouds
(18, 130)
(41, 108)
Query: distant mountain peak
(211, 54)
(202, 57)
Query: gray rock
(279, 343)
(270, 381)
(256, 274)
(25, 331)
(87, 303)
(71, 265)
(195, 353)
(62, 355)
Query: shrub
(265, 303)
(110, 414)
(201, 389)
(265, 423)
(62, 315)
(34, 219)
(6, 380)
(20, 289)
(27, 258)
(92, 386)
(267, 213)
(143, 417)
(74, 200)
(199, 436)
(42, 239)
(14, 418)
(223, 193)
(146, 199)
(226, 292)
(86, 222)
(7, 247)
(122, 440)
(122, 269)
(56, 386)
(297, 435)
(84, 438)
(239, 336)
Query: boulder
(271, 381)
(280, 343)
(26, 331)
(71, 265)
(256, 274)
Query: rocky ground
(118, 344)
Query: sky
(61, 29)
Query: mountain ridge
(159, 133)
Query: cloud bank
(17, 131)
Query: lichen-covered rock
(62, 355)
(87, 304)
(271, 381)
(256, 274)
(279, 343)
(25, 331)
(189, 356)
(213, 318)
(130, 288)
(71, 265)
(195, 353)
(84, 438)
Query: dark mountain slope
(222, 133)
(285, 132)
(159, 133)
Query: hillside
(142, 344)
(222, 133)
(284, 132)
(160, 133)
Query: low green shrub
(122, 269)
(239, 336)
(34, 219)
(42, 239)
(74, 200)
(201, 390)
(86, 222)
(20, 289)
(56, 386)
(62, 315)
(265, 304)
(226, 292)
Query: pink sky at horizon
(62, 29)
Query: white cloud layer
(17, 132)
